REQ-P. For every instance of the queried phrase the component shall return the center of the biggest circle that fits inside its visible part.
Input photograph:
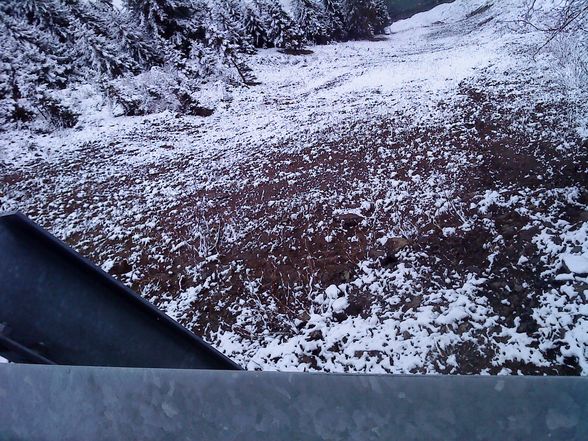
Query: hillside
(415, 204)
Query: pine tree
(144, 50)
(224, 37)
(381, 17)
(312, 21)
(357, 19)
(95, 53)
(50, 15)
(282, 30)
(54, 44)
(178, 22)
(336, 19)
(254, 27)
(90, 32)
(228, 16)
(31, 66)
(95, 47)
(365, 18)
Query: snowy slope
(415, 204)
(444, 13)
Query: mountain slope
(415, 204)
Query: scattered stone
(121, 267)
(413, 303)
(508, 231)
(497, 285)
(357, 304)
(396, 244)
(340, 304)
(304, 317)
(376, 254)
(581, 290)
(349, 220)
(527, 325)
(316, 335)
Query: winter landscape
(311, 187)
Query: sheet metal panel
(70, 312)
(40, 402)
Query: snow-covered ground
(415, 204)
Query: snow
(232, 223)
(443, 13)
(576, 264)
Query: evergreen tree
(92, 34)
(95, 47)
(381, 17)
(357, 19)
(312, 21)
(53, 44)
(365, 18)
(230, 18)
(31, 66)
(96, 53)
(335, 19)
(51, 15)
(178, 22)
(226, 38)
(254, 27)
(282, 30)
(143, 49)
(154, 54)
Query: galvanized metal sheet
(60, 306)
(79, 403)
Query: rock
(307, 359)
(121, 267)
(376, 254)
(304, 317)
(357, 304)
(332, 292)
(497, 285)
(413, 303)
(389, 260)
(394, 244)
(508, 231)
(349, 220)
(340, 304)
(316, 335)
(527, 326)
(335, 274)
(581, 289)
(473, 269)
